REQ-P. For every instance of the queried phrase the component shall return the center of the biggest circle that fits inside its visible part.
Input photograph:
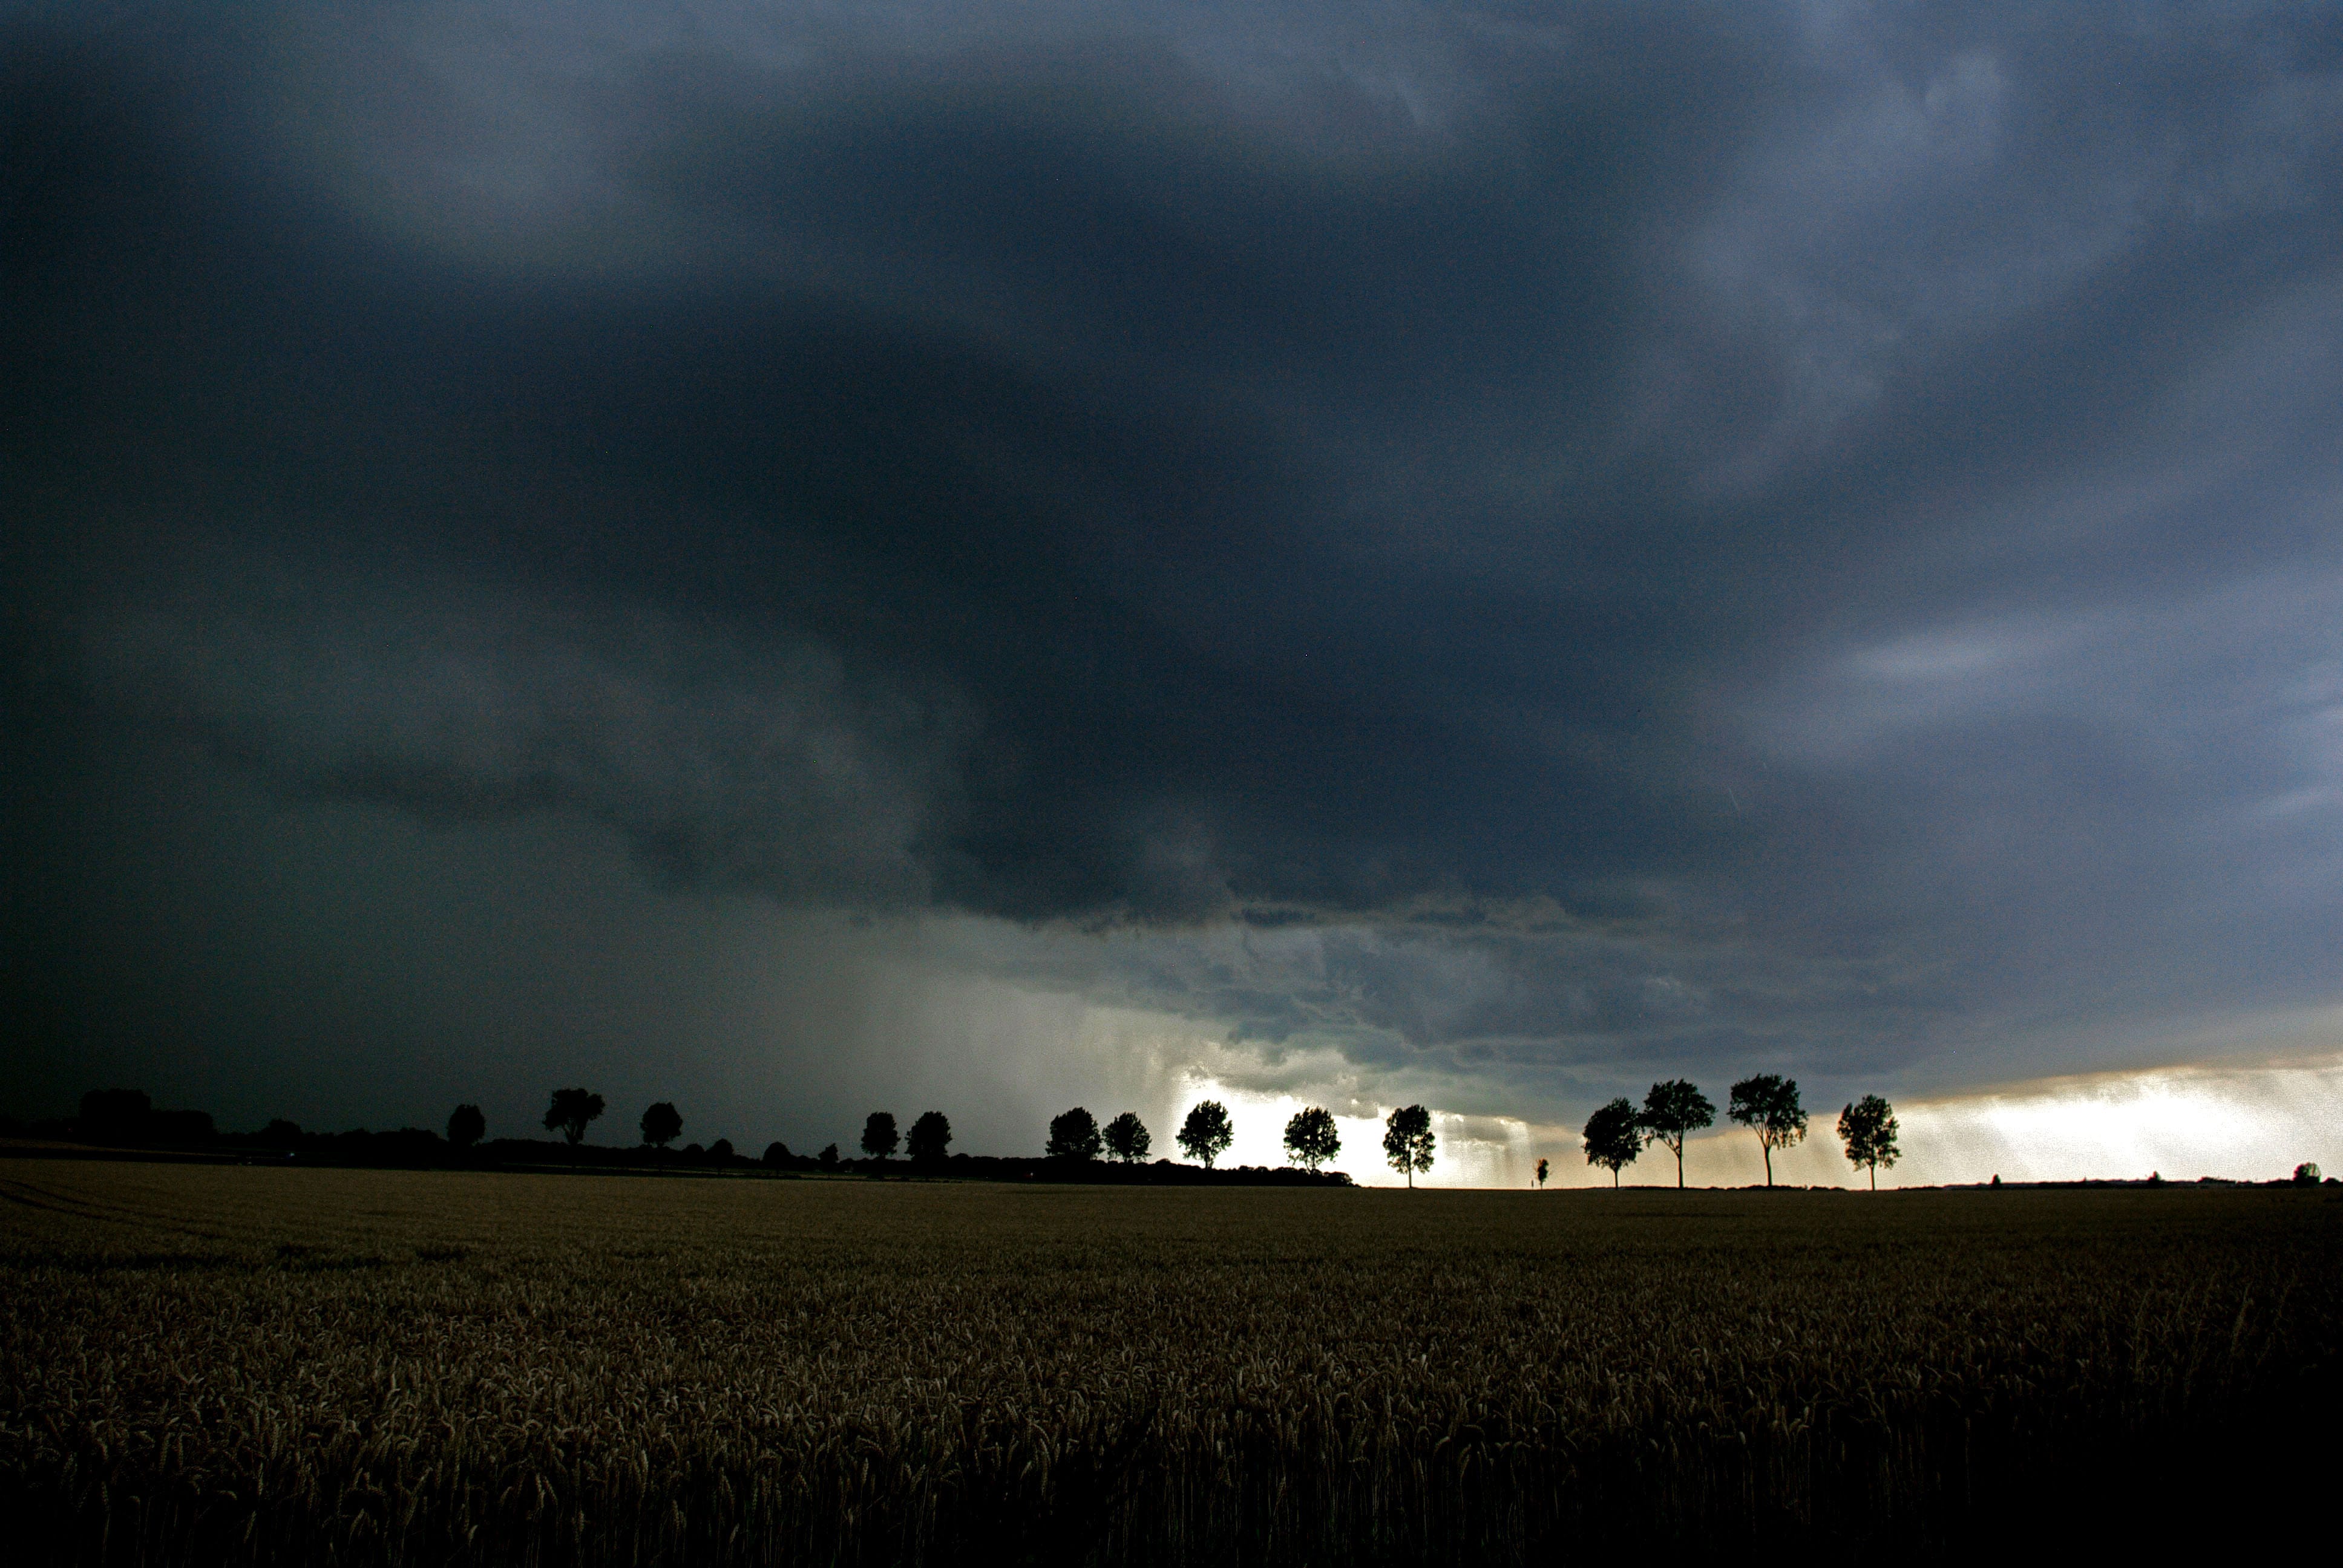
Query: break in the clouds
(1512, 550)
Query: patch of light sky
(2248, 1124)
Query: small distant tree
(1312, 1138)
(1541, 1175)
(720, 1151)
(930, 1137)
(1207, 1133)
(1073, 1135)
(1613, 1137)
(571, 1110)
(2307, 1174)
(1769, 1105)
(1867, 1128)
(1408, 1143)
(777, 1154)
(1127, 1138)
(830, 1156)
(661, 1125)
(880, 1138)
(466, 1126)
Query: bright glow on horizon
(2235, 1117)
(1468, 1150)
(2250, 1123)
(2247, 1123)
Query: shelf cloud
(1516, 549)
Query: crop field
(218, 1365)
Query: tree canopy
(1672, 1110)
(1768, 1104)
(116, 1115)
(1867, 1128)
(1408, 1143)
(1207, 1132)
(661, 1125)
(1126, 1137)
(1614, 1136)
(1311, 1138)
(880, 1138)
(1073, 1135)
(930, 1137)
(571, 1110)
(466, 1126)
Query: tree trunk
(1768, 1148)
(1874, 1176)
(1679, 1164)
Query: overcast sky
(799, 558)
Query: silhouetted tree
(720, 1151)
(1541, 1175)
(1207, 1133)
(1672, 1110)
(118, 1115)
(1768, 1104)
(2307, 1174)
(1408, 1143)
(280, 1133)
(830, 1156)
(1614, 1136)
(1310, 1137)
(571, 1109)
(661, 1125)
(466, 1126)
(880, 1138)
(1073, 1136)
(1127, 1139)
(178, 1127)
(930, 1137)
(777, 1153)
(1867, 1128)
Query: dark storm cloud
(727, 761)
(1592, 534)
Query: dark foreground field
(213, 1364)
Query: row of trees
(572, 1111)
(1204, 1137)
(930, 1141)
(1312, 1138)
(1615, 1135)
(1766, 1103)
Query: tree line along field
(216, 1364)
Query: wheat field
(221, 1364)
